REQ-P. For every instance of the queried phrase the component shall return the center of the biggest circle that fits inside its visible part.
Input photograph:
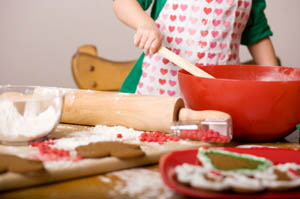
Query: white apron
(202, 31)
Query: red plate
(169, 161)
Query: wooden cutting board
(62, 170)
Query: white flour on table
(139, 184)
(105, 133)
(96, 134)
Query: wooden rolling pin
(141, 112)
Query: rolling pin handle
(186, 114)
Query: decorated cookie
(115, 149)
(19, 165)
(202, 178)
(281, 177)
(232, 162)
(243, 173)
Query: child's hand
(148, 38)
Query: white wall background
(39, 37)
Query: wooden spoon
(182, 63)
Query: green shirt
(256, 29)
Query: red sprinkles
(294, 172)
(48, 153)
(198, 134)
(203, 135)
(216, 173)
(157, 137)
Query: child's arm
(263, 52)
(147, 36)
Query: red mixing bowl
(264, 101)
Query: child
(202, 31)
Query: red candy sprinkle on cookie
(216, 173)
(294, 172)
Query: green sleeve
(157, 6)
(257, 27)
(145, 4)
(133, 78)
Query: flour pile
(138, 184)
(27, 119)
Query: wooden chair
(91, 71)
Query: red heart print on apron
(205, 32)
